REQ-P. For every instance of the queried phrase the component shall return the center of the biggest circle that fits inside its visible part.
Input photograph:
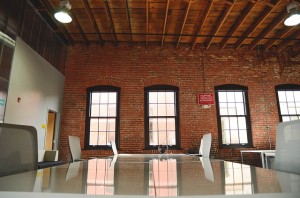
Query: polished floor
(164, 175)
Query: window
(288, 99)
(102, 119)
(233, 116)
(161, 116)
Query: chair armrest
(51, 156)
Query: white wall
(39, 86)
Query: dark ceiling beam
(112, 27)
(79, 28)
(280, 34)
(256, 23)
(284, 44)
(184, 21)
(202, 21)
(147, 23)
(129, 22)
(220, 22)
(238, 22)
(92, 20)
(277, 21)
(165, 23)
(61, 28)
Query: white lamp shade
(293, 19)
(63, 16)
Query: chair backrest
(114, 147)
(287, 156)
(206, 145)
(18, 149)
(75, 148)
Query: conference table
(151, 175)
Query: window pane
(230, 97)
(112, 97)
(161, 97)
(162, 138)
(293, 118)
(110, 137)
(225, 123)
(297, 96)
(291, 108)
(171, 138)
(170, 110)
(233, 123)
(234, 137)
(225, 136)
(162, 124)
(95, 98)
(298, 107)
(152, 97)
(243, 137)
(162, 110)
(103, 110)
(94, 125)
(239, 97)
(93, 138)
(240, 108)
(153, 138)
(286, 118)
(153, 124)
(171, 124)
(170, 97)
(152, 109)
(222, 96)
(112, 110)
(231, 109)
(242, 123)
(223, 109)
(102, 138)
(111, 126)
(102, 124)
(289, 96)
(94, 110)
(283, 108)
(281, 96)
(104, 97)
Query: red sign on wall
(205, 98)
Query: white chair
(114, 147)
(75, 148)
(287, 156)
(206, 145)
(18, 149)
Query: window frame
(161, 88)
(101, 88)
(241, 88)
(285, 87)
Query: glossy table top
(153, 175)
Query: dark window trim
(101, 88)
(284, 87)
(161, 88)
(233, 87)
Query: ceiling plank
(79, 28)
(62, 28)
(285, 43)
(184, 21)
(220, 22)
(129, 22)
(202, 21)
(92, 20)
(280, 35)
(238, 22)
(256, 23)
(165, 24)
(147, 23)
(112, 27)
(277, 21)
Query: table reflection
(153, 175)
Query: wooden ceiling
(196, 23)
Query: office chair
(204, 147)
(75, 148)
(18, 149)
(287, 156)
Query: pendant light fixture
(62, 13)
(293, 18)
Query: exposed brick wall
(134, 67)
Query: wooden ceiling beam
(112, 27)
(220, 22)
(184, 21)
(280, 34)
(277, 21)
(92, 20)
(284, 44)
(61, 28)
(202, 21)
(165, 24)
(79, 28)
(238, 22)
(256, 23)
(129, 21)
